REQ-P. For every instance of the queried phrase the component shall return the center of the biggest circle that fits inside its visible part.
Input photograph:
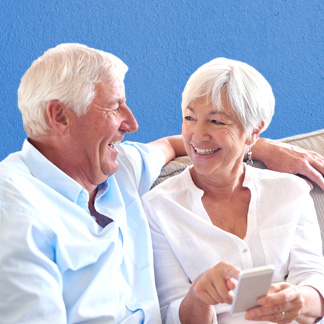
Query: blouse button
(245, 250)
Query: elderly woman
(221, 216)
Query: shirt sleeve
(306, 259)
(30, 282)
(142, 162)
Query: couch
(313, 141)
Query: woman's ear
(58, 116)
(255, 135)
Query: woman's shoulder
(279, 180)
(170, 186)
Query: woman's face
(214, 138)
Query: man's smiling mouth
(112, 144)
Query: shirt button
(83, 197)
(245, 250)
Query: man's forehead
(115, 89)
(105, 85)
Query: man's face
(93, 135)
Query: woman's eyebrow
(218, 112)
(212, 113)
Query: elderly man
(76, 246)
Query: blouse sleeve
(171, 281)
(306, 259)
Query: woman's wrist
(194, 311)
(313, 309)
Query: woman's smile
(204, 151)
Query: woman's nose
(200, 132)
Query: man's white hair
(68, 73)
(249, 93)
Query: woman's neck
(220, 185)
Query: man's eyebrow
(116, 101)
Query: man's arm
(275, 155)
(283, 157)
(31, 284)
(172, 146)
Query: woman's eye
(217, 122)
(188, 118)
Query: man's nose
(129, 124)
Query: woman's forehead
(221, 104)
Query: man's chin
(112, 169)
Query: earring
(249, 157)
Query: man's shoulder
(128, 149)
(141, 162)
(17, 184)
(13, 165)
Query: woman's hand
(292, 159)
(212, 287)
(286, 302)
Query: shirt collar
(44, 170)
(109, 199)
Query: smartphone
(252, 284)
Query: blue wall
(163, 42)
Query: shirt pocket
(277, 243)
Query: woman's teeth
(205, 151)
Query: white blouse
(282, 230)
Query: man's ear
(255, 135)
(58, 116)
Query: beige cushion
(313, 141)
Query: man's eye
(112, 108)
(188, 118)
(118, 106)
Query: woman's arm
(171, 280)
(313, 305)
(300, 298)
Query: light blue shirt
(57, 265)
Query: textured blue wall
(163, 42)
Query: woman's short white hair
(249, 93)
(68, 73)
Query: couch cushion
(313, 141)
